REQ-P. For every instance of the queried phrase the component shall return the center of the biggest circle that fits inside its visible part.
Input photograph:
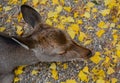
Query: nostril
(89, 54)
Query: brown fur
(45, 44)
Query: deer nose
(89, 54)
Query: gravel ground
(98, 44)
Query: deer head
(49, 43)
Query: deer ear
(30, 15)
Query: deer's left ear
(30, 15)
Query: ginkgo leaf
(54, 74)
(65, 66)
(71, 33)
(68, 9)
(2, 29)
(100, 33)
(82, 36)
(94, 10)
(19, 30)
(96, 58)
(105, 12)
(86, 69)
(49, 22)
(24, 1)
(87, 15)
(35, 2)
(114, 80)
(118, 53)
(90, 4)
(16, 79)
(87, 42)
(70, 81)
(55, 2)
(43, 2)
(19, 70)
(100, 81)
(75, 28)
(79, 22)
(53, 66)
(34, 72)
(82, 76)
(110, 70)
(58, 9)
(101, 24)
(19, 17)
(12, 1)
(7, 8)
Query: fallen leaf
(34, 72)
(96, 58)
(110, 70)
(70, 81)
(100, 33)
(87, 15)
(82, 76)
(114, 80)
(68, 9)
(105, 12)
(2, 29)
(82, 36)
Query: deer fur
(44, 44)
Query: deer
(44, 44)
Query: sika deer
(44, 44)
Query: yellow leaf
(87, 42)
(75, 28)
(49, 22)
(16, 79)
(69, 19)
(1, 8)
(114, 80)
(112, 25)
(58, 9)
(98, 72)
(55, 2)
(70, 81)
(71, 33)
(110, 70)
(76, 14)
(65, 66)
(86, 69)
(53, 66)
(61, 26)
(68, 9)
(101, 24)
(115, 37)
(19, 70)
(52, 14)
(100, 33)
(90, 4)
(83, 76)
(79, 22)
(106, 62)
(35, 2)
(110, 3)
(118, 53)
(24, 1)
(34, 72)
(100, 81)
(7, 8)
(94, 10)
(62, 2)
(87, 15)
(12, 1)
(43, 2)
(19, 30)
(19, 17)
(82, 36)
(54, 74)
(2, 29)
(96, 58)
(105, 12)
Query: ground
(94, 24)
